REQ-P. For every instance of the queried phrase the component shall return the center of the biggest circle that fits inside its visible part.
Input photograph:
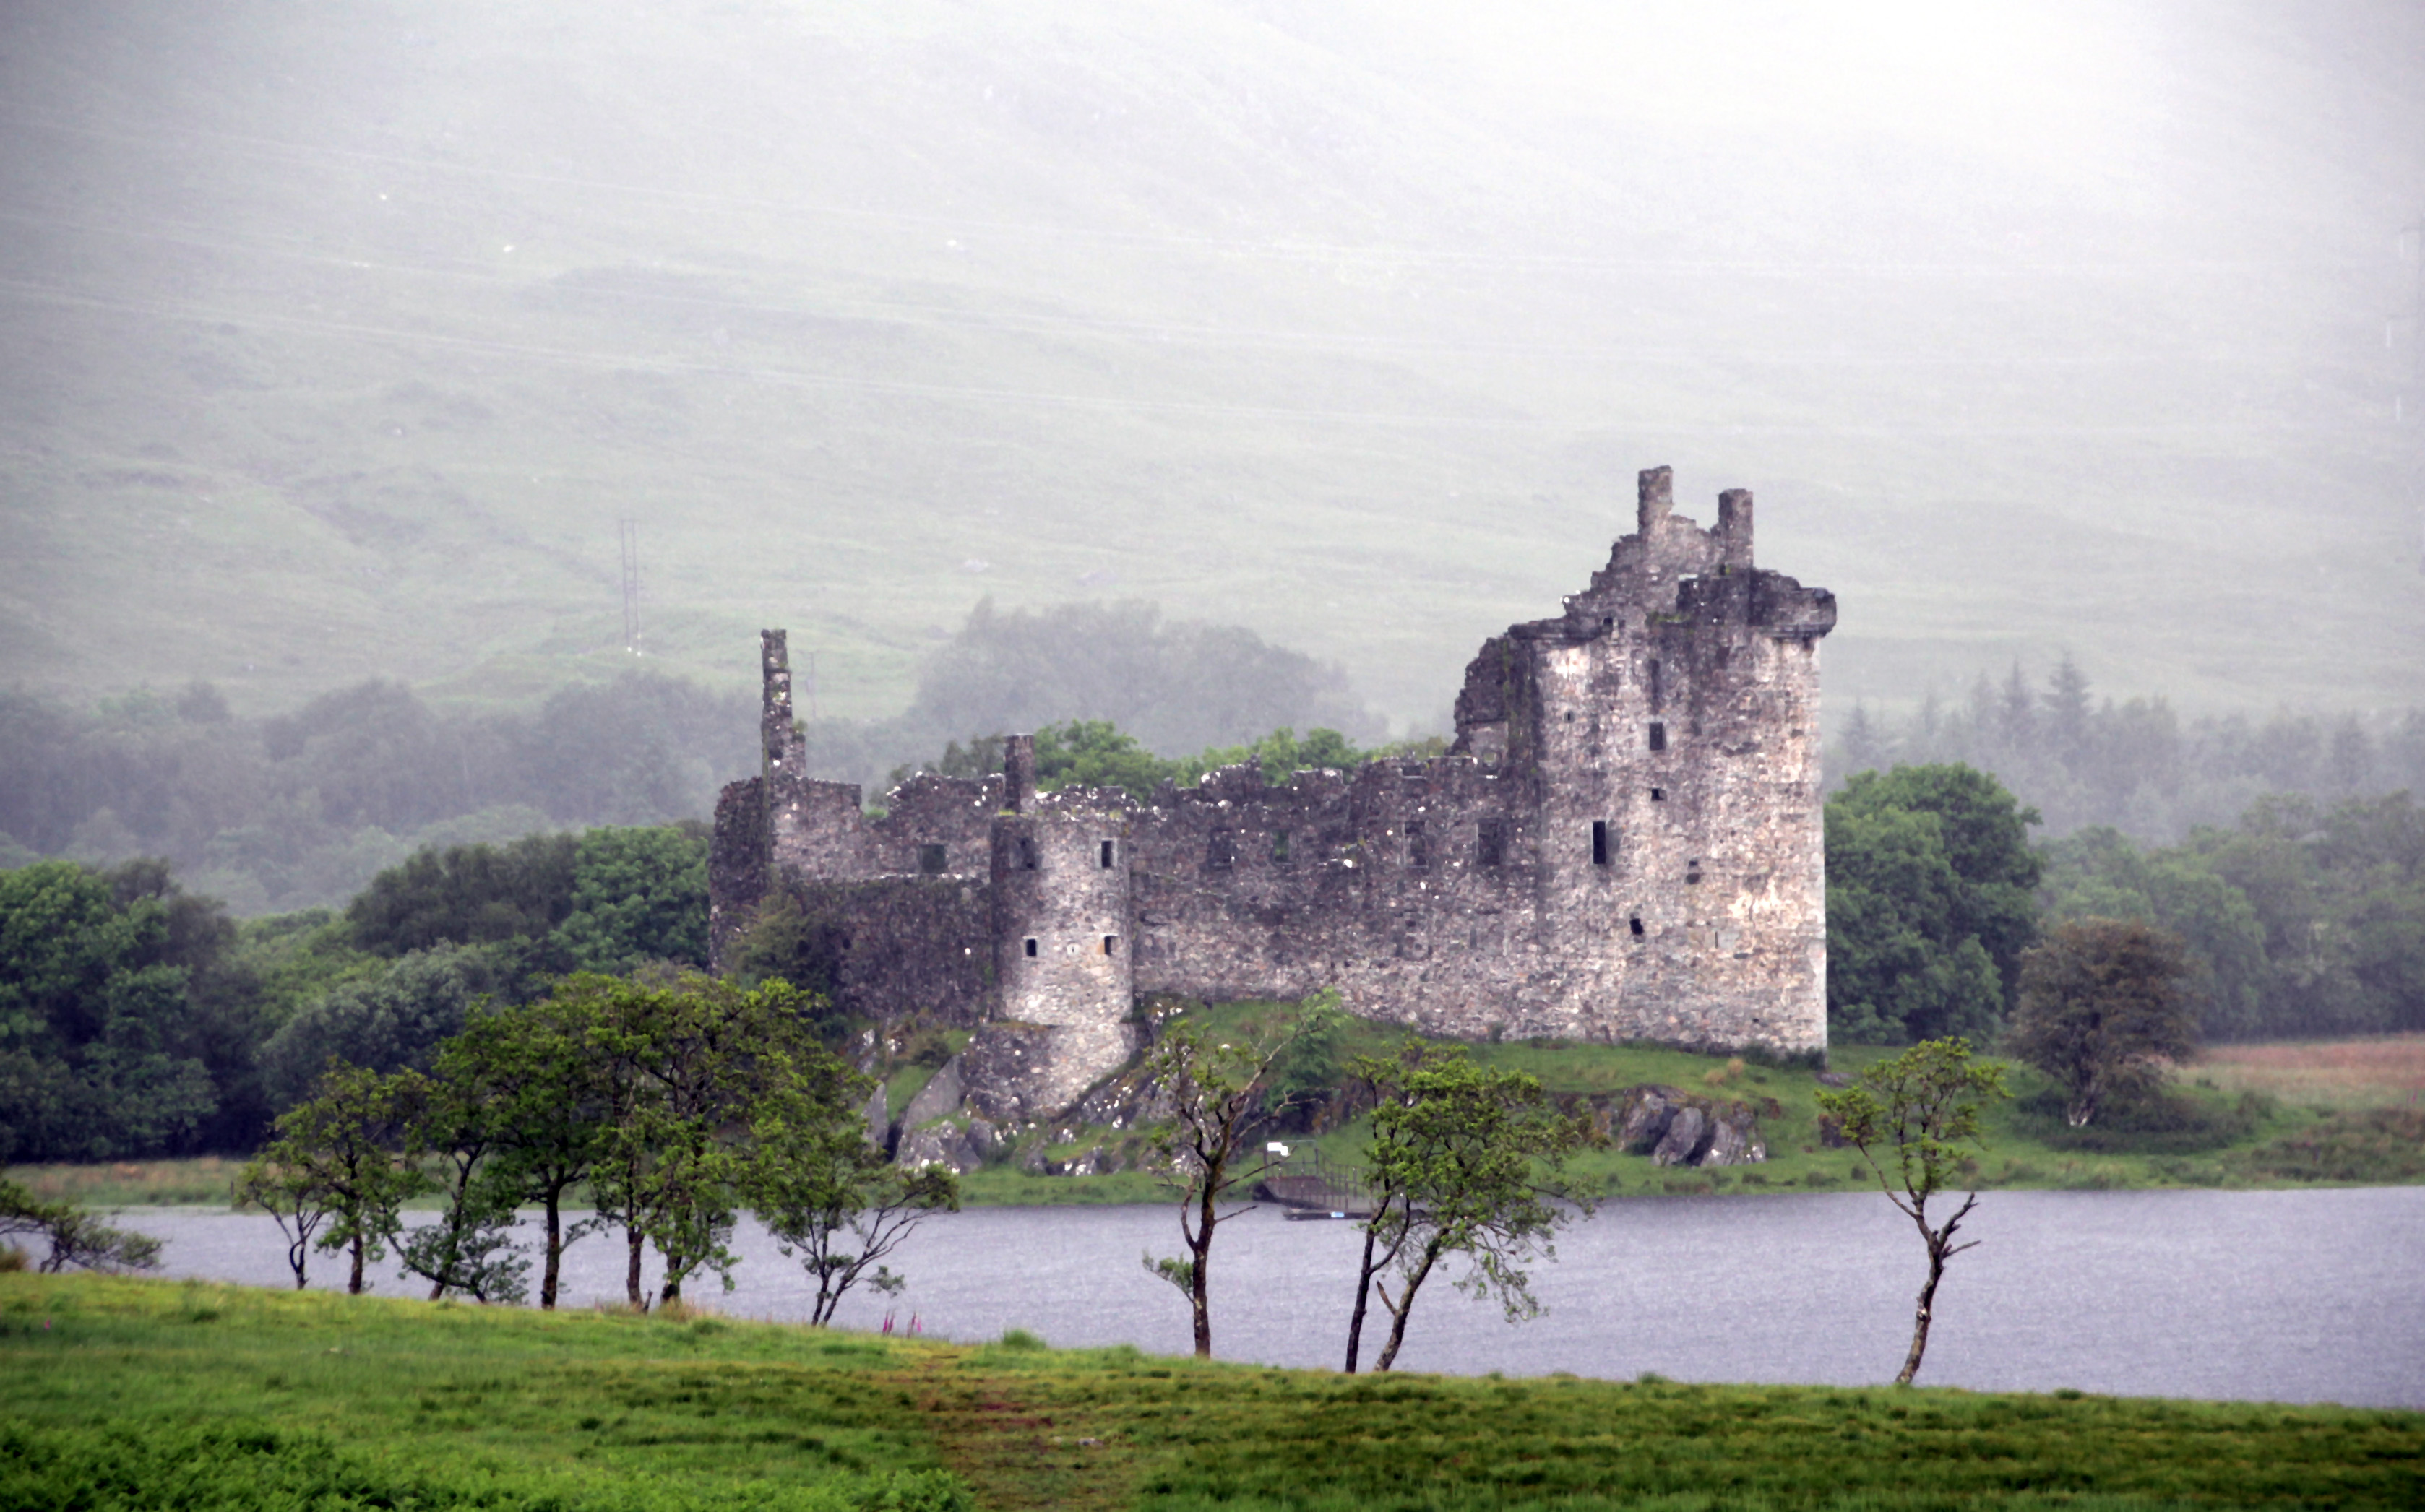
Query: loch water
(2282, 1295)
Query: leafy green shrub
(1021, 1341)
(2373, 1145)
(2152, 1122)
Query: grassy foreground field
(127, 1394)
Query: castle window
(1490, 843)
(1111, 944)
(1419, 854)
(1692, 872)
(1107, 855)
(1600, 842)
(1658, 795)
(1221, 852)
(1280, 846)
(933, 858)
(1636, 923)
(1658, 686)
(1658, 735)
(1026, 853)
(1030, 943)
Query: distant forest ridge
(2136, 765)
(303, 809)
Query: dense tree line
(139, 1019)
(2135, 765)
(302, 809)
(2301, 920)
(678, 1100)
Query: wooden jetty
(1307, 1185)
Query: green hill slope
(335, 340)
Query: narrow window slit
(1600, 842)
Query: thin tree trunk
(354, 1286)
(1403, 1309)
(1363, 1289)
(1199, 1284)
(554, 1250)
(632, 1270)
(1921, 1317)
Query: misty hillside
(335, 340)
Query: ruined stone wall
(1378, 882)
(906, 947)
(1624, 843)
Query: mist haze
(338, 338)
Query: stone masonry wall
(1624, 843)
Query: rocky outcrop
(939, 1096)
(962, 1145)
(1674, 1127)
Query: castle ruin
(1623, 844)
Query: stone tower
(1624, 843)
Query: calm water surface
(2295, 1296)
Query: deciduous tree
(291, 1197)
(1930, 881)
(470, 1248)
(831, 1199)
(686, 1062)
(1910, 1118)
(75, 1236)
(2103, 1011)
(345, 1146)
(1462, 1161)
(1216, 1089)
(544, 1085)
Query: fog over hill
(335, 340)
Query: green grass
(2236, 1138)
(2232, 1138)
(205, 1179)
(124, 1393)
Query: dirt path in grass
(1017, 1442)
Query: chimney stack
(1657, 496)
(1018, 772)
